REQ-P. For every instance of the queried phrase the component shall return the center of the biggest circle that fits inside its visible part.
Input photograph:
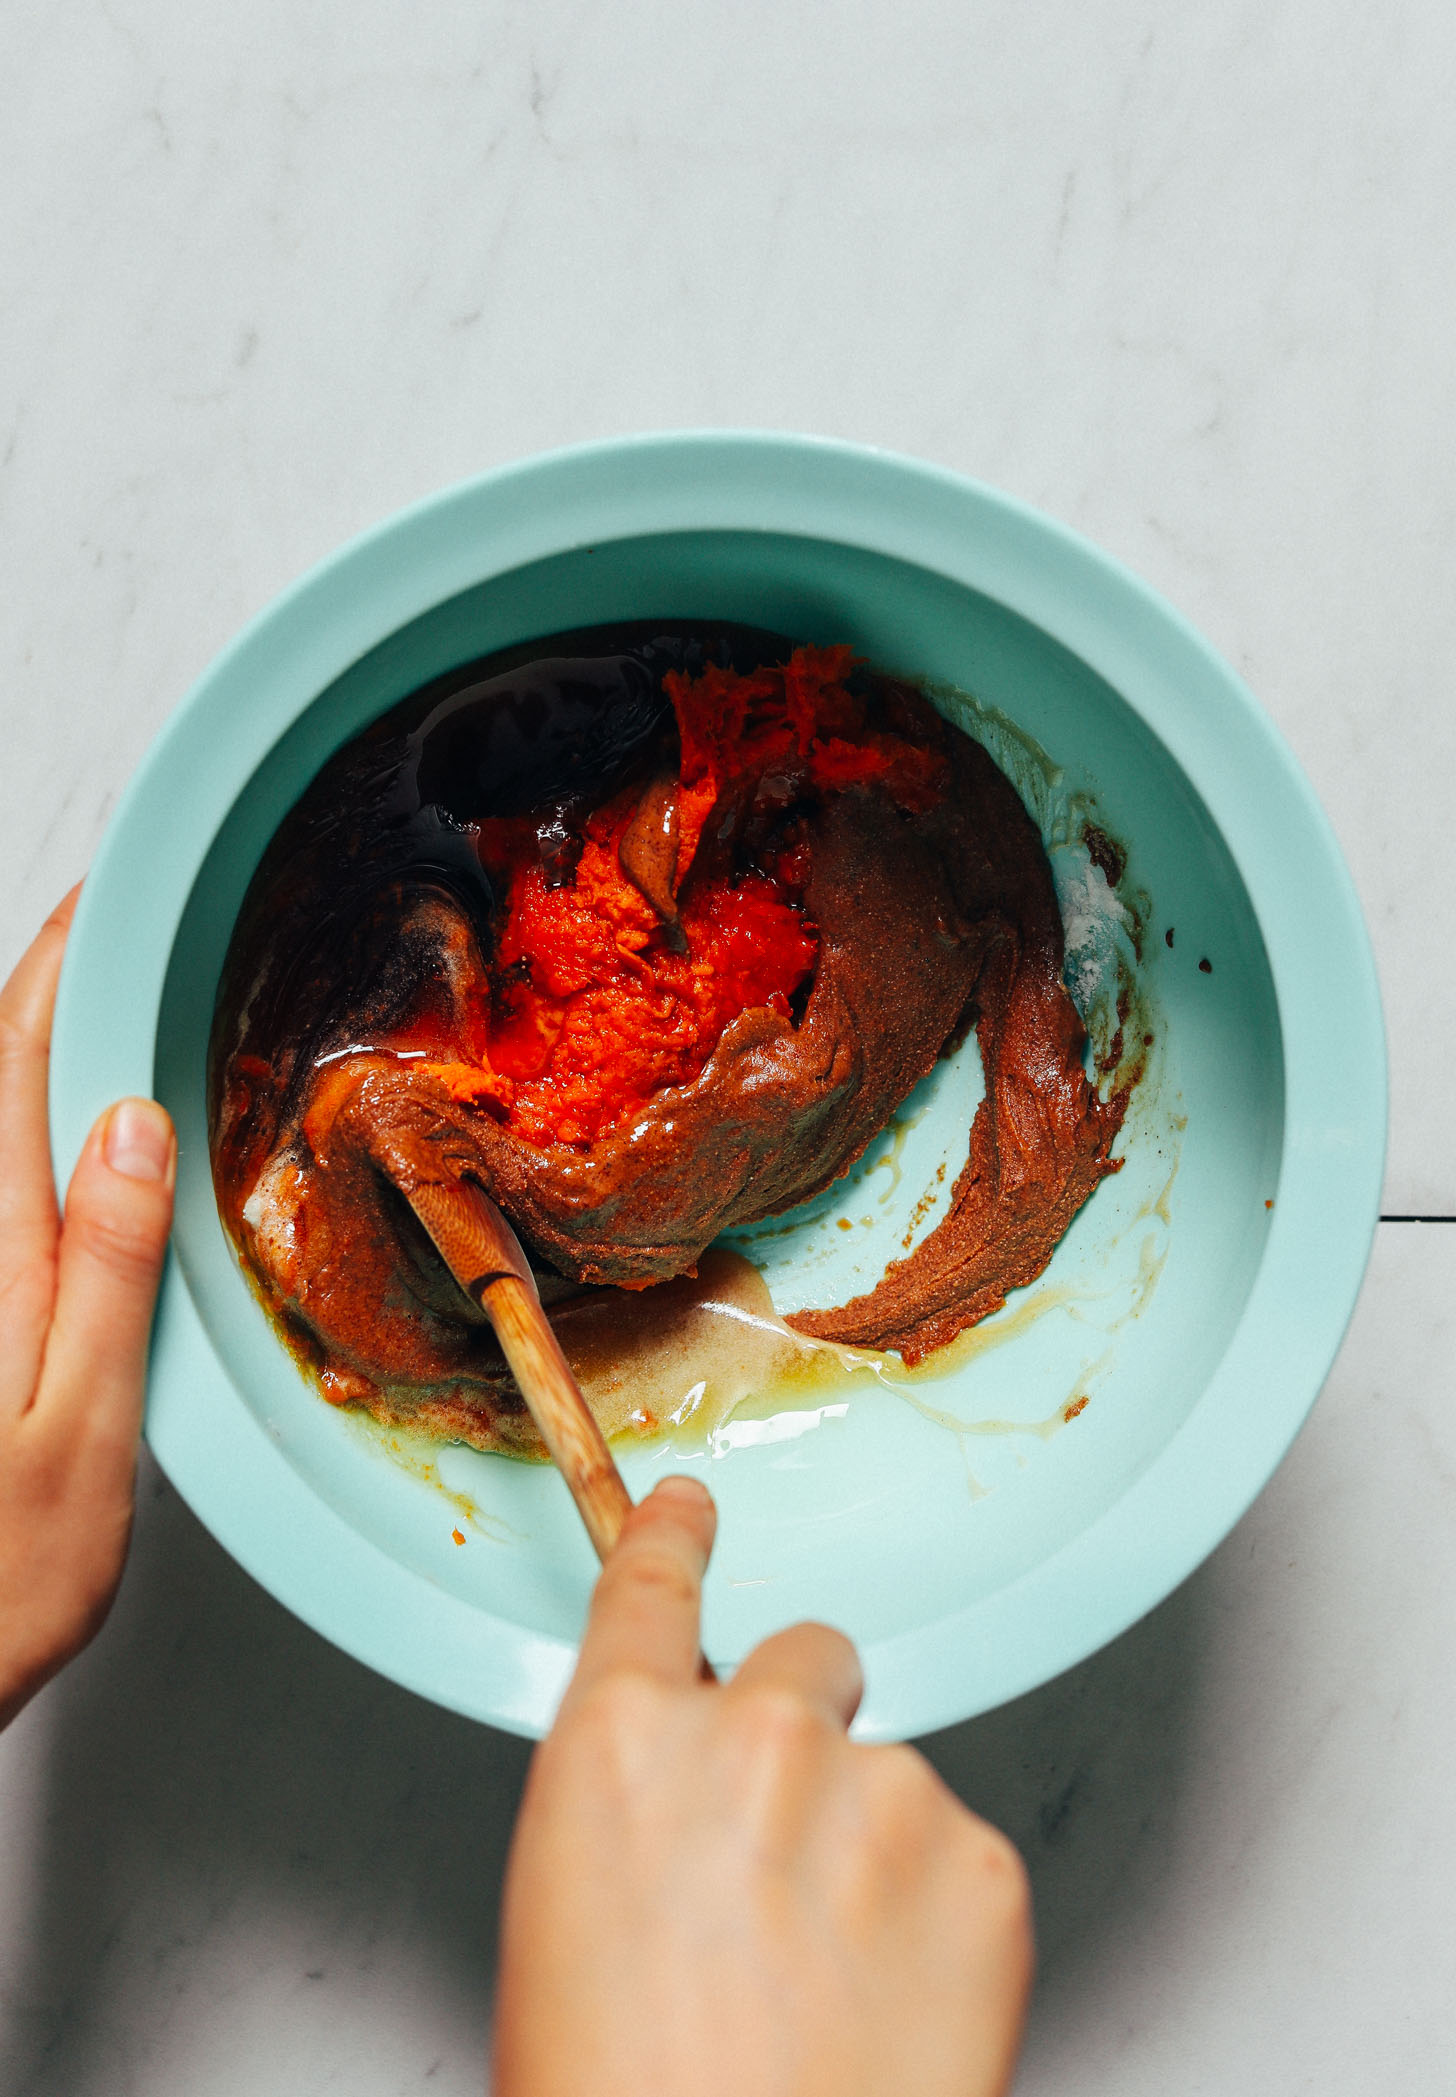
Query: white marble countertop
(1182, 277)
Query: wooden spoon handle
(484, 1254)
(485, 1257)
(568, 1427)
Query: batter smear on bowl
(649, 931)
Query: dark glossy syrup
(546, 728)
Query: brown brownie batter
(650, 932)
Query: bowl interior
(889, 1510)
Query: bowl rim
(218, 1454)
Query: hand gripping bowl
(975, 1533)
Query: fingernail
(138, 1140)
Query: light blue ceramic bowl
(971, 1551)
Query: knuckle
(614, 1722)
(995, 1881)
(18, 1045)
(913, 1822)
(831, 1652)
(780, 1729)
(124, 1242)
(624, 1702)
(28, 1289)
(602, 1764)
(650, 1569)
(1001, 1870)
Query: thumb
(113, 1240)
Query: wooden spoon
(484, 1254)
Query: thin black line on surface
(1418, 1219)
